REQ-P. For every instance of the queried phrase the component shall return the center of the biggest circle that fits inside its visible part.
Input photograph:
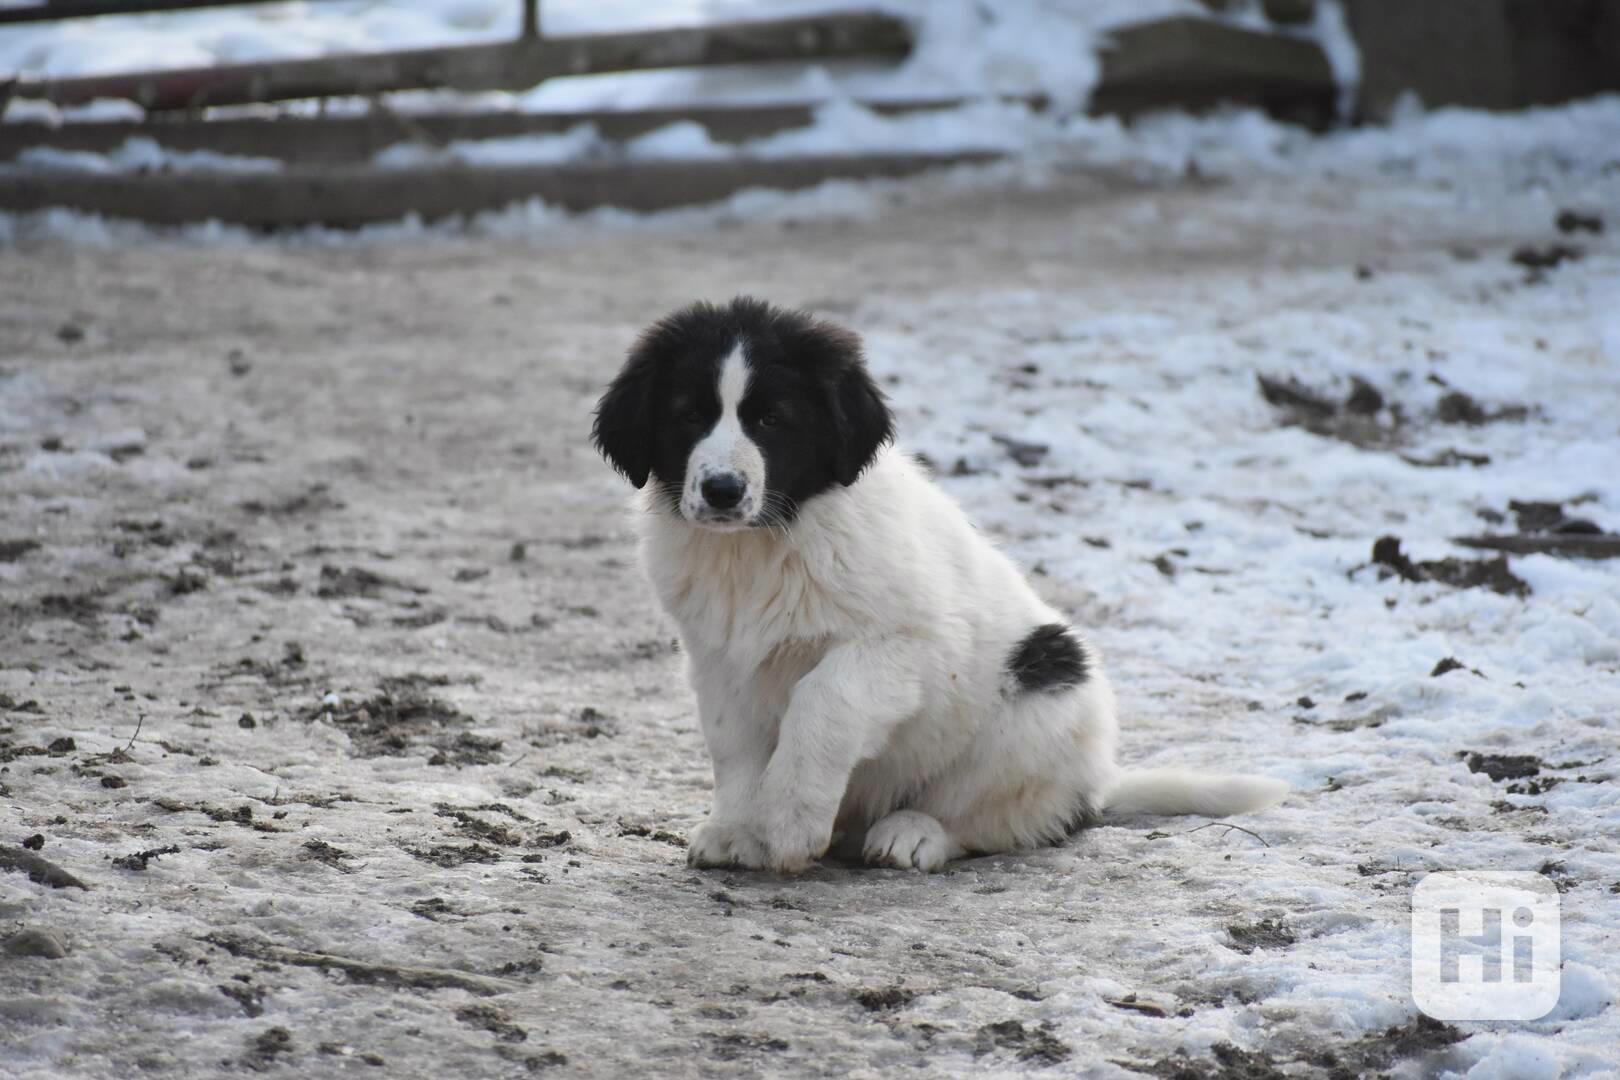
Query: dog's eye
(769, 419)
(692, 416)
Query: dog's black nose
(722, 491)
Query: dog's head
(741, 413)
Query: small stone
(1027, 454)
(38, 869)
(272, 1041)
(246, 721)
(1364, 399)
(35, 842)
(70, 333)
(519, 552)
(1459, 408)
(1570, 221)
(111, 781)
(41, 943)
(13, 550)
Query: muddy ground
(328, 673)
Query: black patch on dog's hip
(1049, 658)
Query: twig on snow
(1228, 826)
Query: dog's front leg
(739, 748)
(840, 714)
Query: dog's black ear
(865, 423)
(862, 423)
(623, 430)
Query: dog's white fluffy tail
(1182, 791)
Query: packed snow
(312, 591)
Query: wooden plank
(515, 65)
(348, 197)
(331, 140)
(58, 10)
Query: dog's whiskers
(778, 513)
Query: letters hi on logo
(1485, 945)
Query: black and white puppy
(867, 665)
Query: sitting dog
(867, 666)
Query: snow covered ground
(309, 573)
(311, 585)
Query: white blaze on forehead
(727, 447)
(733, 383)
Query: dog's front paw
(795, 840)
(719, 844)
(908, 840)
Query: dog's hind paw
(718, 844)
(909, 840)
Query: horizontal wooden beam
(333, 140)
(515, 65)
(348, 197)
(58, 10)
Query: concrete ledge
(1193, 63)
